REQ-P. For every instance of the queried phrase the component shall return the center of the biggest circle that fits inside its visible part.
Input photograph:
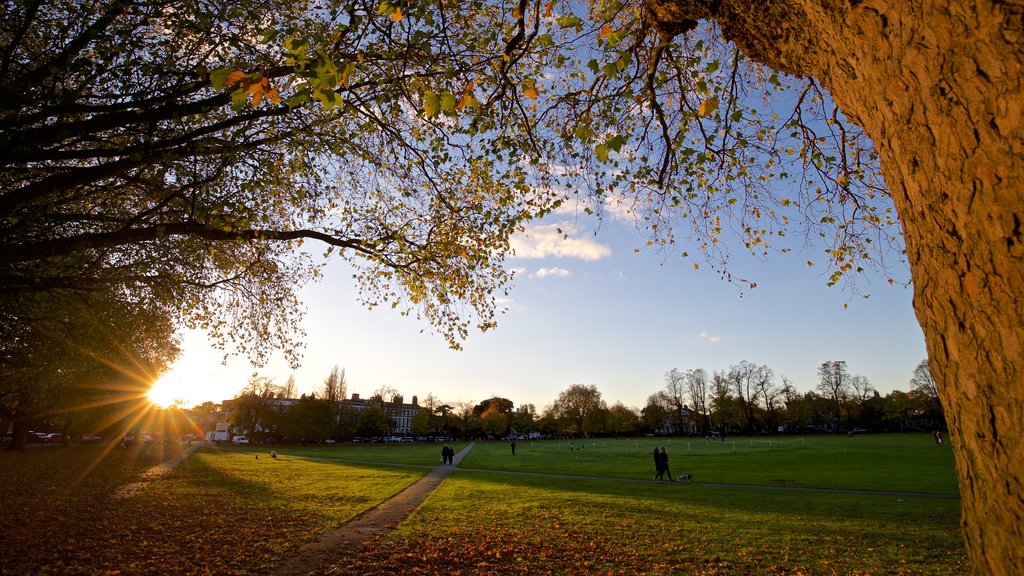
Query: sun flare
(185, 385)
(166, 393)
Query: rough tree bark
(937, 85)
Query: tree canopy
(187, 151)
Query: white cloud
(555, 271)
(709, 337)
(545, 240)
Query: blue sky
(592, 310)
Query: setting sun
(184, 385)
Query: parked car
(239, 440)
(90, 438)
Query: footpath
(313, 557)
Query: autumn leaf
(396, 16)
(530, 89)
(708, 107)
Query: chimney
(355, 396)
(415, 402)
(397, 399)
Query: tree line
(746, 398)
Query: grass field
(500, 524)
(890, 462)
(428, 454)
(225, 511)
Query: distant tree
(723, 404)
(744, 379)
(861, 393)
(834, 384)
(656, 413)
(502, 405)
(623, 420)
(698, 390)
(421, 422)
(288, 389)
(770, 394)
(525, 418)
(676, 391)
(494, 422)
(309, 419)
(373, 422)
(335, 386)
(254, 403)
(576, 403)
(924, 384)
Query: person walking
(446, 454)
(664, 465)
(659, 468)
(513, 447)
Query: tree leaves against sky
(187, 151)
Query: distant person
(513, 447)
(659, 468)
(664, 464)
(937, 436)
(447, 455)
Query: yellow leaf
(708, 107)
(531, 93)
(235, 77)
(606, 31)
(696, 266)
(396, 16)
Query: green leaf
(602, 152)
(569, 21)
(447, 102)
(219, 76)
(616, 142)
(239, 98)
(431, 104)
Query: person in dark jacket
(664, 464)
(659, 468)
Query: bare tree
(288, 390)
(743, 378)
(698, 390)
(925, 386)
(676, 390)
(834, 384)
(770, 393)
(335, 386)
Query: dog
(685, 477)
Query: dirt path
(386, 516)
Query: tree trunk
(937, 85)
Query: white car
(239, 440)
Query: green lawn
(413, 454)
(500, 524)
(890, 462)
